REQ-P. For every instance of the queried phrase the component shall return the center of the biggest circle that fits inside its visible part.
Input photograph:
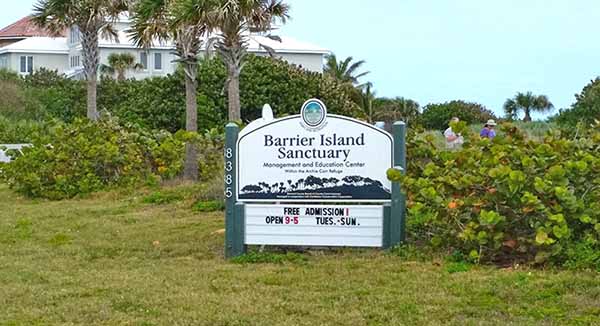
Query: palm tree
(366, 101)
(119, 63)
(527, 103)
(93, 18)
(236, 20)
(344, 71)
(185, 22)
(395, 109)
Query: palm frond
(54, 15)
(149, 22)
(355, 66)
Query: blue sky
(441, 50)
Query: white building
(25, 48)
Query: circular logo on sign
(313, 113)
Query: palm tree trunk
(89, 45)
(190, 170)
(233, 93)
(92, 87)
(527, 117)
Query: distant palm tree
(395, 109)
(119, 63)
(184, 22)
(92, 18)
(366, 101)
(528, 103)
(345, 71)
(236, 19)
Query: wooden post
(398, 206)
(387, 215)
(234, 212)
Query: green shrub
(582, 256)
(212, 189)
(161, 198)
(585, 110)
(209, 206)
(83, 157)
(19, 131)
(283, 86)
(437, 116)
(391, 110)
(159, 102)
(506, 199)
(152, 103)
(458, 267)
(55, 96)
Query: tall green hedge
(586, 108)
(159, 102)
(437, 116)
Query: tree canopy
(344, 70)
(526, 103)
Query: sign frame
(316, 200)
(394, 210)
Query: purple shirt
(487, 133)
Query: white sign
(305, 225)
(313, 157)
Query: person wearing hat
(488, 130)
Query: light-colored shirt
(449, 133)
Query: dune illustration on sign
(315, 187)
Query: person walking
(488, 130)
(453, 140)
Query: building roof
(24, 27)
(287, 44)
(49, 45)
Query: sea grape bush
(77, 159)
(18, 131)
(83, 157)
(507, 199)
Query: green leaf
(474, 255)
(585, 219)
(560, 231)
(490, 218)
(482, 237)
(542, 238)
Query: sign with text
(313, 157)
(305, 225)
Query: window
(74, 35)
(26, 64)
(75, 61)
(144, 60)
(3, 62)
(157, 61)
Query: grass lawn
(114, 260)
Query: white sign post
(311, 158)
